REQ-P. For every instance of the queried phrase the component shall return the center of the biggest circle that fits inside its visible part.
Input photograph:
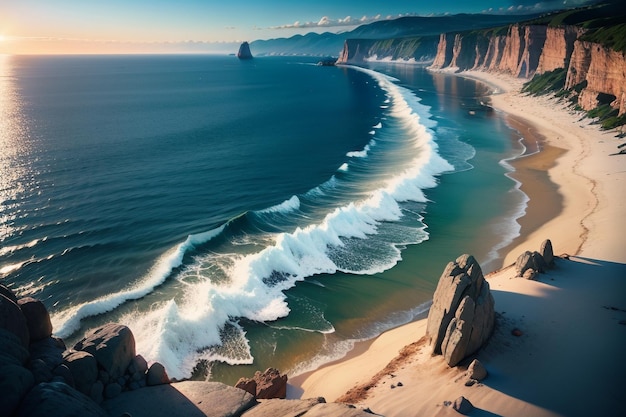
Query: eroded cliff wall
(598, 72)
(418, 49)
(601, 72)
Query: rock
(337, 410)
(517, 332)
(37, 318)
(247, 384)
(278, 407)
(12, 349)
(8, 293)
(530, 274)
(547, 253)
(462, 315)
(40, 370)
(13, 320)
(529, 260)
(462, 405)
(97, 392)
(65, 374)
(540, 263)
(138, 365)
(56, 399)
(270, 384)
(244, 51)
(113, 346)
(15, 382)
(84, 369)
(50, 350)
(188, 398)
(112, 390)
(476, 370)
(524, 262)
(157, 375)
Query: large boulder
(15, 382)
(462, 315)
(8, 293)
(13, 320)
(12, 349)
(84, 369)
(113, 346)
(278, 407)
(56, 399)
(37, 318)
(188, 398)
(157, 375)
(265, 385)
(547, 253)
(50, 350)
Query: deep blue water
(264, 212)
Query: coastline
(583, 220)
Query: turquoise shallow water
(244, 214)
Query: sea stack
(244, 51)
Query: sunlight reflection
(14, 177)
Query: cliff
(601, 72)
(416, 49)
(596, 73)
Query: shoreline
(584, 213)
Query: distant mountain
(330, 44)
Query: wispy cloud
(327, 22)
(532, 6)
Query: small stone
(530, 274)
(463, 405)
(400, 384)
(516, 332)
(476, 370)
(470, 382)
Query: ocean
(238, 215)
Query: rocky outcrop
(529, 264)
(558, 48)
(602, 73)
(265, 385)
(597, 72)
(462, 315)
(58, 399)
(113, 346)
(102, 376)
(413, 49)
(244, 51)
(188, 398)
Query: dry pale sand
(567, 362)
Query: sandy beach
(572, 319)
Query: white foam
(179, 332)
(68, 321)
(286, 206)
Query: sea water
(244, 214)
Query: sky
(135, 26)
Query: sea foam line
(68, 321)
(178, 336)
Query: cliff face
(603, 70)
(419, 49)
(526, 50)
(558, 48)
